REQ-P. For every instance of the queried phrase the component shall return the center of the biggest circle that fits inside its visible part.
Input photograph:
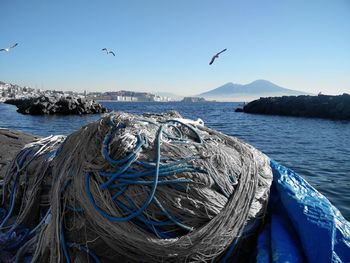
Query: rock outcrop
(321, 106)
(11, 142)
(57, 105)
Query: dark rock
(11, 142)
(57, 105)
(238, 110)
(321, 106)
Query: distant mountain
(251, 91)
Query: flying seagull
(8, 48)
(108, 51)
(216, 56)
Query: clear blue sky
(166, 45)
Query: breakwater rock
(11, 142)
(57, 105)
(321, 106)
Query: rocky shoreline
(321, 106)
(64, 105)
(11, 142)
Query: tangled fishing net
(129, 188)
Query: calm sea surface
(317, 149)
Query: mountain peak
(261, 81)
(253, 90)
(228, 84)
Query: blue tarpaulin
(304, 226)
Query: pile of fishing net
(127, 188)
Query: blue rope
(126, 176)
(105, 149)
(22, 157)
(102, 212)
(64, 245)
(116, 175)
(20, 160)
(45, 219)
(129, 160)
(3, 213)
(200, 140)
(141, 217)
(114, 124)
(13, 238)
(148, 200)
(177, 162)
(172, 219)
(74, 209)
(163, 172)
(12, 202)
(148, 165)
(121, 191)
(179, 133)
(143, 182)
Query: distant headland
(321, 106)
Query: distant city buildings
(124, 95)
(11, 91)
(193, 99)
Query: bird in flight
(8, 48)
(216, 56)
(108, 51)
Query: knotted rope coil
(148, 188)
